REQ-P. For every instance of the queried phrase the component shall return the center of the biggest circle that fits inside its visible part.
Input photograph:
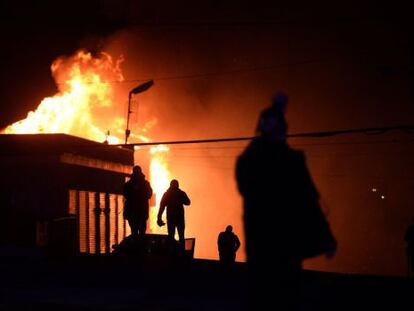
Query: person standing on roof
(174, 200)
(228, 243)
(137, 192)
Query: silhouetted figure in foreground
(174, 200)
(137, 192)
(282, 217)
(409, 239)
(228, 243)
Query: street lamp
(139, 89)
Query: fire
(160, 179)
(82, 103)
(85, 106)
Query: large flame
(160, 178)
(83, 102)
(84, 107)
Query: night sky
(215, 65)
(353, 61)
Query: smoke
(215, 66)
(182, 106)
(213, 81)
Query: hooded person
(272, 124)
(281, 208)
(137, 192)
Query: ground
(105, 283)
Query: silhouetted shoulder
(260, 153)
(298, 156)
(148, 189)
(185, 198)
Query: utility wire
(369, 130)
(332, 143)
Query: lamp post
(139, 89)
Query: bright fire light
(84, 107)
(160, 179)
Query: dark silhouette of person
(228, 243)
(409, 239)
(137, 192)
(283, 221)
(174, 200)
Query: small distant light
(383, 197)
(374, 189)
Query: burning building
(75, 177)
(62, 190)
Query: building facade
(63, 192)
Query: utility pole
(139, 89)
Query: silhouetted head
(136, 169)
(272, 124)
(279, 101)
(229, 228)
(174, 184)
(137, 172)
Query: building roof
(62, 144)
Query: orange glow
(160, 179)
(82, 103)
(84, 107)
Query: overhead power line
(369, 130)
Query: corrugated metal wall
(100, 220)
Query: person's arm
(185, 198)
(240, 175)
(237, 243)
(125, 190)
(312, 211)
(163, 204)
(310, 192)
(149, 190)
(219, 241)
